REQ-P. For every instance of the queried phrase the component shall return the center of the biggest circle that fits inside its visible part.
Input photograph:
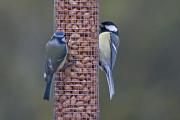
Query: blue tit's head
(60, 36)
(108, 26)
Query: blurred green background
(147, 74)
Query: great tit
(108, 45)
(56, 53)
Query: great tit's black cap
(108, 26)
(107, 23)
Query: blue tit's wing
(48, 76)
(48, 66)
(114, 44)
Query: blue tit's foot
(72, 62)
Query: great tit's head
(108, 26)
(60, 36)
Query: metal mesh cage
(76, 88)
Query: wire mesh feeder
(76, 90)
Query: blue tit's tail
(47, 91)
(110, 81)
(48, 79)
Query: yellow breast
(104, 45)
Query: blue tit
(56, 53)
(108, 45)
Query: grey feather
(114, 44)
(110, 81)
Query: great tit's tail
(110, 81)
(47, 91)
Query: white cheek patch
(111, 28)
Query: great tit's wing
(114, 44)
(115, 40)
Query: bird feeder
(76, 89)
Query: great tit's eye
(111, 28)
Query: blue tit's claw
(72, 62)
